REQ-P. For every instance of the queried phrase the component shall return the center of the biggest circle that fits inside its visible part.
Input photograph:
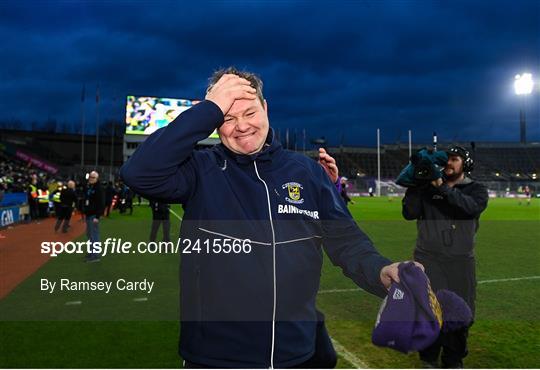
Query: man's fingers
(243, 92)
(420, 266)
(229, 80)
(394, 274)
(390, 273)
(232, 81)
(328, 164)
(330, 159)
(326, 158)
(332, 167)
(220, 82)
(323, 155)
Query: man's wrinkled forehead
(242, 106)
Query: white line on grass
(326, 291)
(339, 290)
(72, 303)
(174, 213)
(143, 299)
(348, 356)
(509, 279)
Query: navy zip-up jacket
(256, 307)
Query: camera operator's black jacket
(447, 218)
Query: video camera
(425, 166)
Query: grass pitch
(124, 330)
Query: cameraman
(447, 213)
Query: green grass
(40, 330)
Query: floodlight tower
(523, 86)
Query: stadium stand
(15, 174)
(499, 165)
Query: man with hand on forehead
(254, 308)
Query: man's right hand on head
(229, 88)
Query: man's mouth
(245, 136)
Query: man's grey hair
(255, 80)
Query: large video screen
(144, 114)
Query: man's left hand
(390, 273)
(329, 165)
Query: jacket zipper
(273, 265)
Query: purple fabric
(408, 318)
(338, 184)
(411, 315)
(456, 312)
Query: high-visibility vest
(33, 191)
(43, 196)
(56, 197)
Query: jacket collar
(465, 181)
(271, 146)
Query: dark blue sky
(334, 68)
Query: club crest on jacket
(294, 191)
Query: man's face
(93, 178)
(245, 127)
(454, 166)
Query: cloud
(328, 67)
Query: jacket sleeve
(346, 244)
(412, 204)
(100, 202)
(472, 204)
(163, 167)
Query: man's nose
(242, 125)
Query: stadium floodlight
(517, 174)
(533, 176)
(497, 174)
(523, 84)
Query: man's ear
(265, 106)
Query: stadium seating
(492, 162)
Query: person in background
(343, 191)
(447, 213)
(33, 197)
(68, 199)
(160, 216)
(43, 201)
(109, 194)
(94, 204)
(55, 198)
